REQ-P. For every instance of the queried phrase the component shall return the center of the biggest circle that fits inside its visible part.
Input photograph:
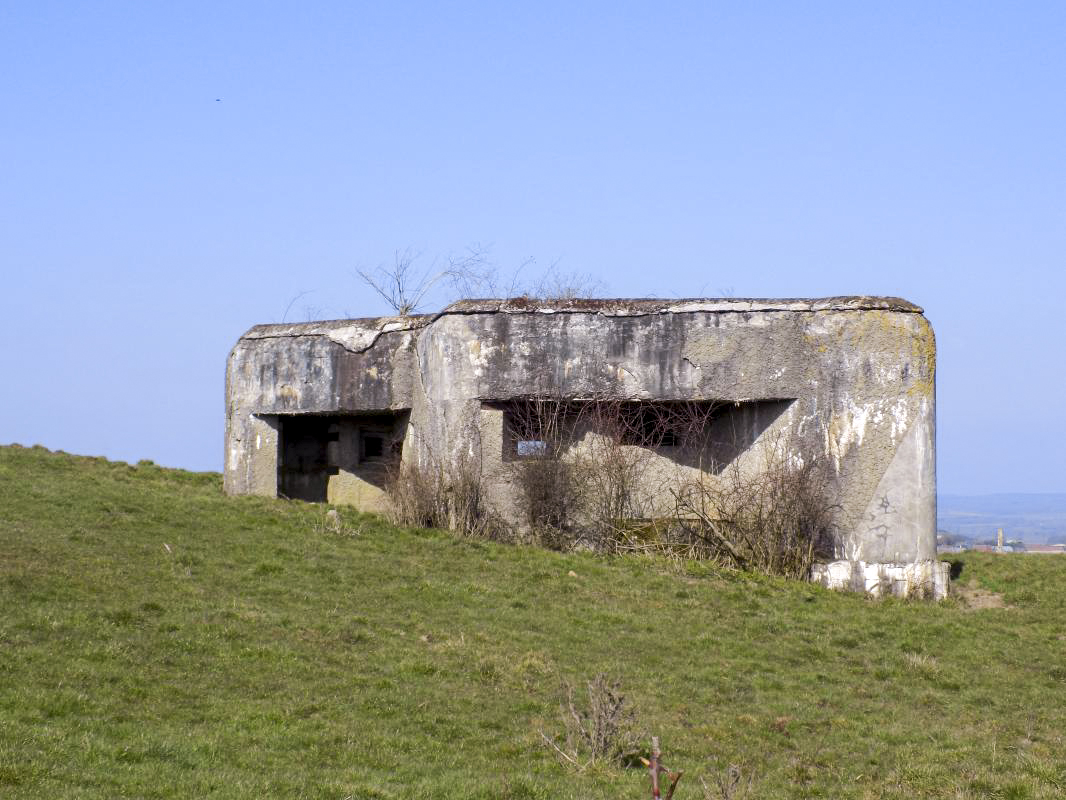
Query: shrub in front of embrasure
(430, 496)
(777, 519)
(588, 484)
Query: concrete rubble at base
(928, 579)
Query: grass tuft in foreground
(158, 639)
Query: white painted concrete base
(919, 579)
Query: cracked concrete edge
(354, 335)
(623, 307)
(359, 335)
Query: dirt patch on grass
(974, 598)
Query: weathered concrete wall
(855, 377)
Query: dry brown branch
(674, 778)
(569, 759)
(699, 515)
(655, 770)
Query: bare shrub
(407, 283)
(775, 519)
(431, 496)
(604, 730)
(662, 538)
(546, 486)
(547, 494)
(614, 474)
(484, 279)
(417, 496)
(623, 492)
(590, 481)
(728, 784)
(404, 286)
(572, 495)
(731, 783)
(468, 511)
(589, 472)
(558, 285)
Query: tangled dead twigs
(589, 468)
(777, 519)
(431, 496)
(728, 784)
(597, 474)
(602, 731)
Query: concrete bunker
(318, 411)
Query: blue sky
(175, 173)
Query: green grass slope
(158, 639)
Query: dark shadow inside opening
(303, 460)
(314, 447)
(708, 434)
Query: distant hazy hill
(1032, 517)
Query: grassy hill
(158, 639)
